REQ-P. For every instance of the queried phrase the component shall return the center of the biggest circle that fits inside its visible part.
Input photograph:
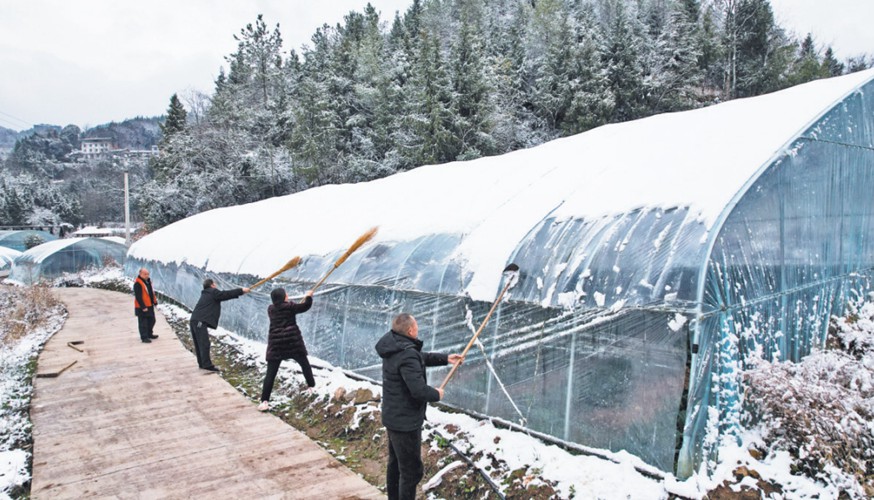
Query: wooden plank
(130, 419)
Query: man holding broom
(206, 314)
(405, 395)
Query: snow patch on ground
(16, 389)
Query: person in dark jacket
(405, 395)
(284, 340)
(144, 306)
(206, 315)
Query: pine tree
(176, 118)
(675, 76)
(592, 102)
(624, 66)
(759, 52)
(470, 104)
(830, 65)
(807, 66)
(432, 140)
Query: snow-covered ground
(619, 475)
(16, 388)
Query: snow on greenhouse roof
(7, 255)
(39, 253)
(698, 159)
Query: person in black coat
(206, 315)
(144, 306)
(405, 395)
(284, 340)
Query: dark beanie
(207, 284)
(277, 296)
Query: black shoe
(147, 340)
(153, 336)
(210, 369)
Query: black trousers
(273, 369)
(200, 336)
(405, 468)
(146, 324)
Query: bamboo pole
(509, 271)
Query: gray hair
(403, 323)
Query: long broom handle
(313, 289)
(265, 280)
(475, 335)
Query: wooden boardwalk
(135, 420)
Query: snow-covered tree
(176, 118)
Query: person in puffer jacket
(405, 395)
(284, 340)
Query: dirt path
(135, 420)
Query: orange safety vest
(147, 299)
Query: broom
(288, 265)
(510, 273)
(364, 238)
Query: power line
(9, 123)
(24, 122)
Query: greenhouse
(7, 255)
(54, 258)
(655, 256)
(24, 239)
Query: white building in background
(95, 147)
(102, 147)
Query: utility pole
(126, 212)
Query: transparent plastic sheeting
(623, 330)
(7, 255)
(609, 377)
(612, 381)
(17, 240)
(54, 258)
(797, 244)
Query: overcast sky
(89, 62)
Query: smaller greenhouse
(54, 258)
(18, 240)
(7, 255)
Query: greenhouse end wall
(797, 245)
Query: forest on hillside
(41, 184)
(451, 80)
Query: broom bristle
(364, 238)
(288, 265)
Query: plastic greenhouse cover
(611, 231)
(17, 239)
(7, 255)
(53, 258)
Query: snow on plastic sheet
(689, 159)
(7, 255)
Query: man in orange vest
(144, 306)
